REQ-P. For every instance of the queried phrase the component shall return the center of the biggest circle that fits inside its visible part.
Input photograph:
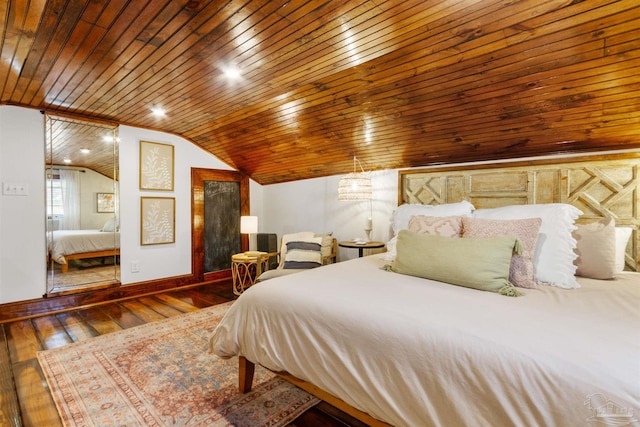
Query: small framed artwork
(157, 220)
(156, 166)
(106, 203)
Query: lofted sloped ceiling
(398, 83)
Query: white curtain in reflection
(70, 183)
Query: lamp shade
(354, 186)
(248, 224)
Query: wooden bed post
(245, 374)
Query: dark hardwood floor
(24, 395)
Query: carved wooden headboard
(600, 186)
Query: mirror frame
(105, 169)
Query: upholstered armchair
(302, 251)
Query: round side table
(245, 268)
(361, 246)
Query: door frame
(198, 177)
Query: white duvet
(414, 352)
(68, 242)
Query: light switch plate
(15, 189)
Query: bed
(401, 350)
(65, 245)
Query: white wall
(157, 261)
(22, 218)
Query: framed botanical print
(157, 220)
(156, 166)
(106, 203)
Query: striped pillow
(303, 254)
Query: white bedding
(414, 352)
(68, 242)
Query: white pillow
(596, 249)
(109, 225)
(391, 253)
(403, 213)
(554, 254)
(622, 238)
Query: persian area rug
(162, 374)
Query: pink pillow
(526, 230)
(446, 226)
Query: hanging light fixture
(356, 185)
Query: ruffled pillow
(526, 230)
(554, 254)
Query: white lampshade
(248, 224)
(355, 186)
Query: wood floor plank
(177, 303)
(121, 315)
(222, 289)
(160, 306)
(36, 403)
(99, 320)
(51, 332)
(22, 340)
(143, 311)
(9, 408)
(76, 328)
(198, 299)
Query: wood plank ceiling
(399, 83)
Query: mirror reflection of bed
(82, 232)
(83, 266)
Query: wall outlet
(135, 266)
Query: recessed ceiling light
(231, 72)
(67, 161)
(85, 150)
(158, 111)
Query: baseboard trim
(27, 309)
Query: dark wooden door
(219, 198)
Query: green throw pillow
(479, 263)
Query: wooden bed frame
(84, 255)
(246, 370)
(600, 186)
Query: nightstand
(246, 267)
(361, 246)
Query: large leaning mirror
(82, 198)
